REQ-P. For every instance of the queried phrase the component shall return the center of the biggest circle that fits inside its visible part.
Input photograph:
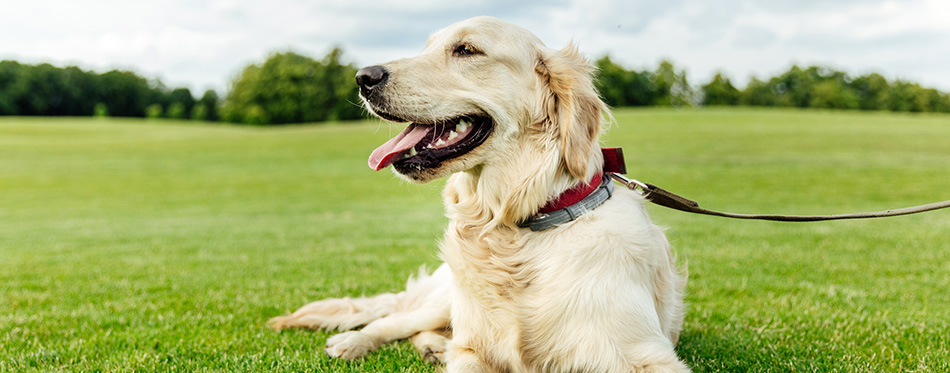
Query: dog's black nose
(370, 77)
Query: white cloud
(204, 43)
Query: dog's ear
(570, 107)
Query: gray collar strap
(552, 219)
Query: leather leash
(669, 199)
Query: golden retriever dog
(515, 125)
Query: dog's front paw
(431, 345)
(350, 345)
(434, 356)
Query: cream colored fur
(600, 294)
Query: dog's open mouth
(422, 146)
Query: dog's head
(480, 92)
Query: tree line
(286, 88)
(44, 89)
(810, 87)
(292, 88)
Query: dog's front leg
(354, 344)
(430, 315)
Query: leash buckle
(632, 184)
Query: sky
(204, 44)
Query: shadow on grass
(747, 350)
(710, 351)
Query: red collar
(613, 162)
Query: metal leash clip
(632, 184)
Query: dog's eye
(465, 50)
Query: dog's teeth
(453, 134)
(440, 142)
(412, 151)
(462, 126)
(429, 146)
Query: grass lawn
(131, 245)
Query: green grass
(130, 245)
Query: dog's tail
(350, 313)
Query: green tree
(44, 91)
(872, 91)
(199, 112)
(621, 87)
(671, 86)
(832, 94)
(611, 81)
(209, 100)
(291, 88)
(12, 86)
(794, 87)
(85, 90)
(759, 93)
(906, 96)
(185, 103)
(153, 111)
(125, 93)
(341, 80)
(941, 102)
(934, 100)
(720, 91)
(100, 110)
(176, 111)
(48, 90)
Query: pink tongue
(389, 152)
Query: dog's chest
(488, 265)
(514, 301)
